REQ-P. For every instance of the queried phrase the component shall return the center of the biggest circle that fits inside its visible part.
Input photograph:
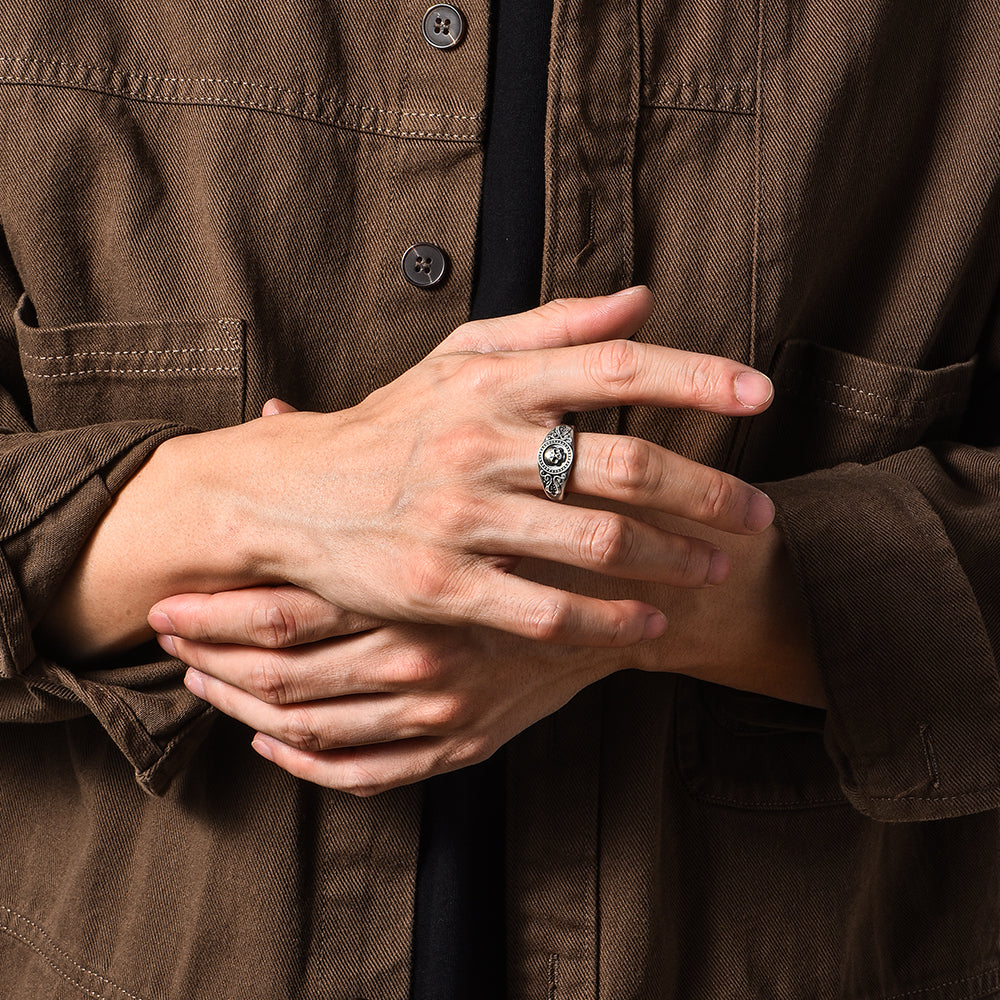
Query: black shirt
(458, 938)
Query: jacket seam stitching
(329, 118)
(764, 804)
(697, 107)
(214, 81)
(208, 101)
(42, 935)
(134, 371)
(930, 756)
(115, 354)
(926, 401)
(899, 418)
(743, 100)
(149, 775)
(988, 988)
(928, 798)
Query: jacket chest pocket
(701, 56)
(174, 371)
(831, 407)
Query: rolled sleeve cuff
(63, 482)
(908, 666)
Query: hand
(392, 704)
(362, 705)
(365, 712)
(415, 504)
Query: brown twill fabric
(204, 205)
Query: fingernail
(630, 291)
(753, 389)
(160, 622)
(656, 625)
(718, 568)
(195, 683)
(262, 747)
(760, 512)
(167, 643)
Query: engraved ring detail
(555, 460)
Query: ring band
(555, 460)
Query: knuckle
(267, 681)
(610, 542)
(718, 497)
(299, 731)
(417, 669)
(196, 625)
(427, 580)
(628, 466)
(442, 714)
(461, 447)
(197, 621)
(549, 620)
(466, 334)
(272, 623)
(359, 781)
(474, 749)
(616, 363)
(701, 380)
(456, 514)
(557, 316)
(692, 563)
(555, 311)
(481, 374)
(362, 791)
(621, 630)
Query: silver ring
(555, 460)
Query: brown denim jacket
(205, 204)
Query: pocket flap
(832, 407)
(179, 371)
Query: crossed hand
(401, 642)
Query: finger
(356, 720)
(485, 596)
(545, 384)
(559, 323)
(369, 770)
(636, 472)
(275, 406)
(312, 672)
(614, 544)
(270, 617)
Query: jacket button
(424, 265)
(443, 26)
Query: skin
(394, 703)
(366, 616)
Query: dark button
(424, 265)
(443, 26)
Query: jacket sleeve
(57, 484)
(898, 559)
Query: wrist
(171, 529)
(750, 632)
(204, 534)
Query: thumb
(559, 323)
(275, 406)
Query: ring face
(555, 460)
